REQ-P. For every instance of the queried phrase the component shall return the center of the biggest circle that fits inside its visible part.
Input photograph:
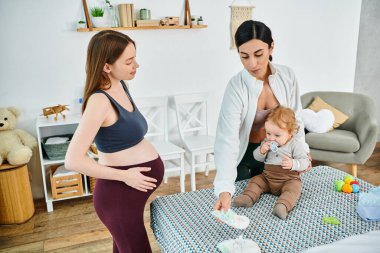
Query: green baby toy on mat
(331, 220)
(347, 185)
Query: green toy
(331, 220)
(348, 177)
(338, 185)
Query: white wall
(367, 73)
(43, 57)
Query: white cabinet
(47, 127)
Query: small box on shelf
(145, 23)
(170, 21)
(64, 183)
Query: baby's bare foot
(280, 211)
(242, 200)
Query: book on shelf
(140, 23)
(129, 15)
(133, 16)
(123, 15)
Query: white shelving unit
(47, 127)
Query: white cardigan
(236, 118)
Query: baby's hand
(287, 163)
(265, 147)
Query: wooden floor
(74, 226)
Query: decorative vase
(100, 22)
(200, 20)
(145, 14)
(81, 25)
(114, 18)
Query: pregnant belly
(140, 153)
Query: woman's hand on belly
(135, 179)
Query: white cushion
(317, 122)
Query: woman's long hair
(105, 47)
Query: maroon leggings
(121, 209)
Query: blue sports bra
(126, 132)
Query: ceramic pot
(100, 22)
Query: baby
(284, 157)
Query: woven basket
(56, 151)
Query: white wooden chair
(191, 112)
(154, 110)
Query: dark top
(126, 132)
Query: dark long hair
(104, 47)
(250, 30)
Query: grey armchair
(352, 142)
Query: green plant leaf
(97, 12)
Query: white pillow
(317, 122)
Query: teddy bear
(15, 144)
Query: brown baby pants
(281, 182)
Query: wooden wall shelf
(142, 28)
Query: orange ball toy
(347, 188)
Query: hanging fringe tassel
(239, 14)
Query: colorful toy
(354, 182)
(355, 188)
(338, 185)
(347, 185)
(347, 188)
(331, 220)
(348, 179)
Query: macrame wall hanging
(239, 14)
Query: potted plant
(81, 24)
(194, 20)
(98, 18)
